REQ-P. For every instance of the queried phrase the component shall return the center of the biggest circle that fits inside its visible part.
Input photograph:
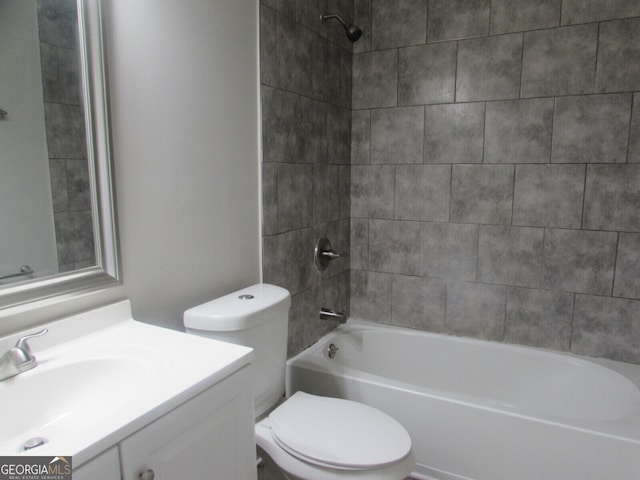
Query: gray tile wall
(66, 138)
(495, 181)
(306, 121)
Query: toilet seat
(339, 434)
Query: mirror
(57, 216)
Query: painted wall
(306, 122)
(495, 180)
(184, 110)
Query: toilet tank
(257, 317)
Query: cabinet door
(209, 437)
(105, 466)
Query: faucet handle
(22, 341)
(323, 254)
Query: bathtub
(480, 410)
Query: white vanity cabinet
(131, 397)
(106, 466)
(210, 436)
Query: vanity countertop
(101, 376)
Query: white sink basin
(92, 391)
(68, 395)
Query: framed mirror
(57, 214)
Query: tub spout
(328, 314)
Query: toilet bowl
(309, 437)
(322, 438)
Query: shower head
(353, 31)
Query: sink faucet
(19, 358)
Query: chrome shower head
(353, 31)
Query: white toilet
(307, 436)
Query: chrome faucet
(19, 358)
(328, 314)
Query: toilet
(309, 437)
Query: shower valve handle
(323, 254)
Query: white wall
(27, 233)
(184, 107)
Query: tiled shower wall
(66, 139)
(306, 121)
(496, 170)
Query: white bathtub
(483, 410)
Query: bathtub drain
(331, 351)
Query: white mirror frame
(96, 105)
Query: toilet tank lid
(239, 310)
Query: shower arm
(333, 15)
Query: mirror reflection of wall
(45, 201)
(66, 137)
(27, 233)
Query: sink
(101, 376)
(68, 395)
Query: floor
(270, 472)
